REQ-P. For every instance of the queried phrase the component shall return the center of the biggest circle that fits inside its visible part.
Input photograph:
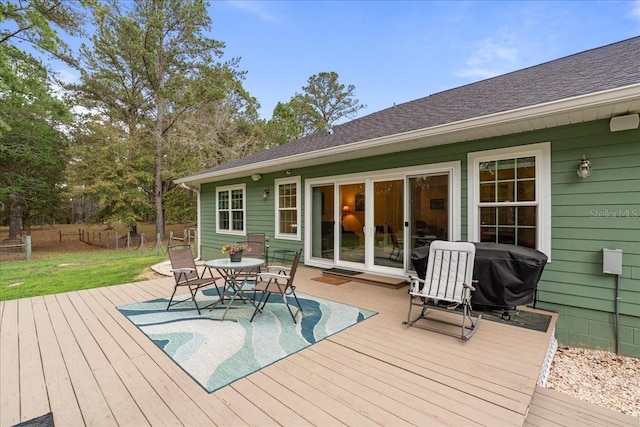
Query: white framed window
(287, 207)
(509, 195)
(230, 209)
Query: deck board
(76, 355)
(9, 365)
(551, 408)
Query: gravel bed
(599, 377)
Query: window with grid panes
(509, 196)
(508, 201)
(230, 209)
(287, 211)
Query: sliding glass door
(374, 224)
(428, 213)
(388, 220)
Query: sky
(397, 51)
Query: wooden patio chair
(278, 280)
(186, 275)
(446, 287)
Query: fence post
(60, 231)
(158, 243)
(79, 234)
(141, 243)
(128, 241)
(26, 240)
(117, 241)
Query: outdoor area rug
(216, 353)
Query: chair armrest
(416, 284)
(470, 287)
(278, 268)
(273, 276)
(182, 270)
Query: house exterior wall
(588, 215)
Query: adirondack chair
(446, 287)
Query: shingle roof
(596, 70)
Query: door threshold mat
(332, 280)
(342, 272)
(368, 278)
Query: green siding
(602, 211)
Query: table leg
(231, 283)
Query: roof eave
(579, 109)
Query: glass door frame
(453, 169)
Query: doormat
(342, 271)
(330, 280)
(45, 420)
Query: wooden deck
(75, 355)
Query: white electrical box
(612, 261)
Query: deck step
(368, 278)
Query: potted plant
(235, 251)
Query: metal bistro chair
(186, 275)
(446, 286)
(280, 283)
(258, 248)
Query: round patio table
(230, 271)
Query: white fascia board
(584, 102)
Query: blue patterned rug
(216, 353)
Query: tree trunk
(159, 139)
(15, 217)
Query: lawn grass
(72, 272)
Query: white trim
(230, 188)
(276, 184)
(542, 153)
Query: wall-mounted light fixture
(265, 194)
(256, 177)
(584, 168)
(287, 172)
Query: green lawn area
(71, 272)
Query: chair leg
(263, 301)
(293, 316)
(193, 297)
(175, 288)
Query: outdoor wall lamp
(265, 194)
(584, 168)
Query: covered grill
(507, 275)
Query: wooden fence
(23, 246)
